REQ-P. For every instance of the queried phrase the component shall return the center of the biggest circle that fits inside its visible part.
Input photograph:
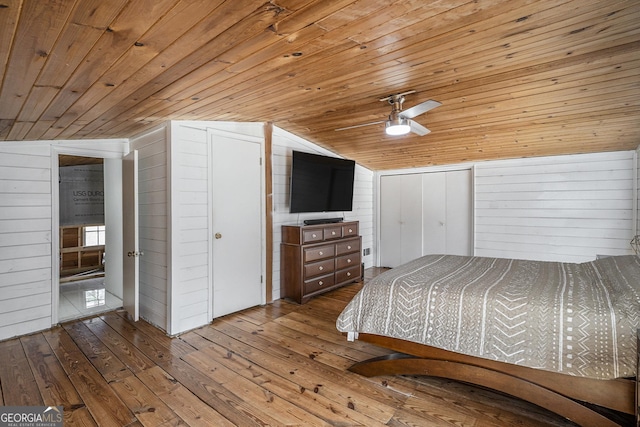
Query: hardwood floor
(282, 364)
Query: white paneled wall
(182, 197)
(190, 293)
(283, 143)
(28, 229)
(563, 208)
(25, 239)
(152, 200)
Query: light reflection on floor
(85, 298)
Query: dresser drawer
(318, 268)
(348, 260)
(350, 230)
(352, 273)
(318, 283)
(319, 252)
(312, 236)
(348, 246)
(332, 232)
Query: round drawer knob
(320, 253)
(350, 230)
(349, 247)
(320, 283)
(348, 273)
(333, 233)
(348, 260)
(321, 268)
(314, 235)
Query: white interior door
(434, 213)
(459, 212)
(131, 249)
(447, 212)
(237, 223)
(400, 219)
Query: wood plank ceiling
(516, 78)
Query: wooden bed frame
(556, 392)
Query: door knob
(218, 236)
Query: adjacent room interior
(82, 283)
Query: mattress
(572, 318)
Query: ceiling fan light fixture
(395, 127)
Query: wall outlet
(366, 251)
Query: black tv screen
(321, 183)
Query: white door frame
(211, 132)
(55, 215)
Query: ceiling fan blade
(418, 129)
(362, 125)
(421, 108)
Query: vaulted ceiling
(516, 78)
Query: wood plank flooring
(281, 364)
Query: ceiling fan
(399, 121)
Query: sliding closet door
(459, 213)
(446, 212)
(400, 219)
(425, 213)
(434, 213)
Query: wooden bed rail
(559, 393)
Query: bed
(560, 335)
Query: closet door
(425, 213)
(459, 230)
(447, 213)
(237, 223)
(400, 219)
(434, 213)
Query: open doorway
(84, 288)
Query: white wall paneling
(564, 208)
(176, 216)
(283, 143)
(25, 224)
(29, 239)
(190, 228)
(153, 224)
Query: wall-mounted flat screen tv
(321, 183)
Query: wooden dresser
(317, 258)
